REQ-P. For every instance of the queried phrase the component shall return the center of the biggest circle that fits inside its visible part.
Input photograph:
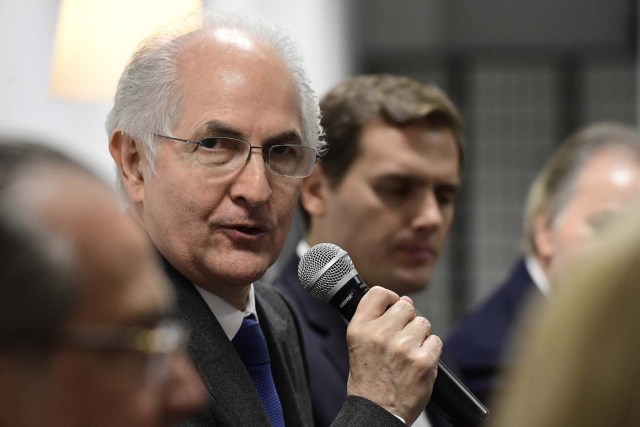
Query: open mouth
(251, 231)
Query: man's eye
(395, 190)
(283, 150)
(445, 198)
(223, 143)
(210, 143)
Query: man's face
(394, 208)
(223, 229)
(603, 188)
(121, 287)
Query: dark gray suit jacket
(234, 400)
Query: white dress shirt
(229, 317)
(537, 274)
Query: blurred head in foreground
(587, 181)
(84, 336)
(581, 366)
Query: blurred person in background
(586, 182)
(580, 365)
(85, 338)
(212, 131)
(384, 192)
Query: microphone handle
(450, 396)
(455, 401)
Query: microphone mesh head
(315, 260)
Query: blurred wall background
(525, 73)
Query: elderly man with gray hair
(212, 131)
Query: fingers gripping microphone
(327, 273)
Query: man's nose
(252, 183)
(428, 212)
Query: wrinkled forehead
(228, 76)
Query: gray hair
(37, 272)
(554, 186)
(148, 99)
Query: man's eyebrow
(218, 128)
(287, 137)
(410, 179)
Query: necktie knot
(251, 344)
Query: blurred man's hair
(398, 100)
(37, 272)
(554, 185)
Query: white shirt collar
(229, 317)
(537, 274)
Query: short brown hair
(398, 100)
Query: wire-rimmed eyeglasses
(292, 160)
(157, 342)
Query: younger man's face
(394, 207)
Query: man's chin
(409, 284)
(247, 268)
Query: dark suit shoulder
(476, 348)
(486, 327)
(266, 294)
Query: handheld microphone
(327, 273)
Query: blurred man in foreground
(84, 336)
(384, 192)
(587, 181)
(592, 377)
(212, 131)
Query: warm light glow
(622, 176)
(236, 38)
(95, 38)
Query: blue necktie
(252, 348)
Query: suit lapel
(279, 331)
(234, 399)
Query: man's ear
(128, 155)
(544, 237)
(315, 189)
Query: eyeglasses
(167, 337)
(292, 160)
(158, 342)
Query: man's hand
(392, 355)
